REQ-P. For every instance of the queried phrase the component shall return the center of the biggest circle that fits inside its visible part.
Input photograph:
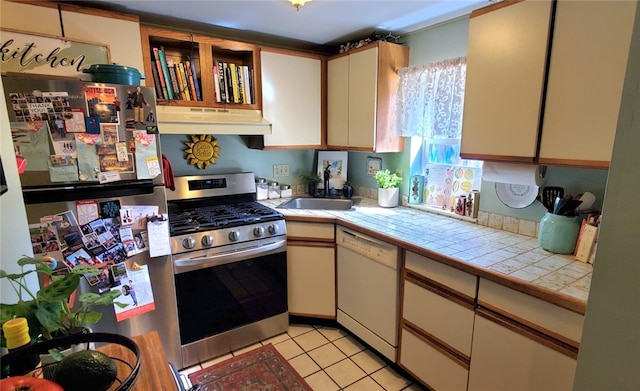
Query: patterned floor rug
(262, 369)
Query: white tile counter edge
(499, 252)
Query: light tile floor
(329, 359)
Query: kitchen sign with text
(48, 55)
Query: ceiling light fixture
(298, 3)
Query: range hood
(205, 120)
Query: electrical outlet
(280, 170)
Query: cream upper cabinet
(363, 84)
(120, 32)
(361, 95)
(338, 101)
(588, 62)
(512, 113)
(292, 98)
(506, 61)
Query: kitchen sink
(318, 203)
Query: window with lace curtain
(429, 108)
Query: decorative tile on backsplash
(496, 220)
(483, 218)
(487, 219)
(510, 224)
(527, 227)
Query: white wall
(609, 357)
(14, 230)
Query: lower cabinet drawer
(506, 357)
(448, 321)
(429, 364)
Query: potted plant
(312, 183)
(388, 191)
(49, 312)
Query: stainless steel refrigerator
(91, 173)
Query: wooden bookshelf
(205, 51)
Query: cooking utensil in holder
(549, 195)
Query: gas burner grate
(216, 216)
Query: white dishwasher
(368, 289)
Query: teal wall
(236, 157)
(358, 167)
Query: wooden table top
(155, 373)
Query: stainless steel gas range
(229, 259)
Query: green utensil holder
(558, 234)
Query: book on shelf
(222, 83)
(192, 87)
(180, 90)
(165, 72)
(156, 80)
(174, 81)
(185, 82)
(240, 76)
(227, 80)
(247, 85)
(252, 86)
(156, 56)
(234, 82)
(216, 83)
(196, 82)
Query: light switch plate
(280, 170)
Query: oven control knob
(188, 243)
(258, 232)
(207, 240)
(273, 229)
(234, 235)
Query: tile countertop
(507, 258)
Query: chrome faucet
(327, 176)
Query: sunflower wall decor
(202, 151)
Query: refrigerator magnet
(110, 209)
(93, 125)
(126, 216)
(87, 211)
(121, 151)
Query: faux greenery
(47, 311)
(387, 180)
(311, 179)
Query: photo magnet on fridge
(93, 125)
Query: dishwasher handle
(376, 250)
(367, 239)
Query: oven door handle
(209, 260)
